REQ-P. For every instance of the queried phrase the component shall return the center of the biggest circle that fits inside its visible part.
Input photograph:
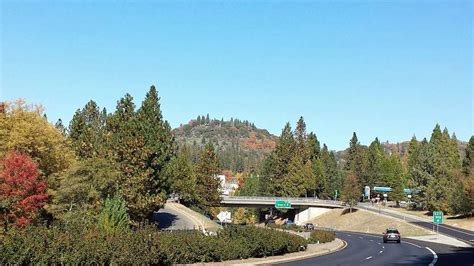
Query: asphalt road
(461, 234)
(364, 249)
(169, 218)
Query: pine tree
(207, 183)
(351, 192)
(127, 146)
(60, 127)
(87, 131)
(352, 152)
(283, 154)
(295, 182)
(159, 141)
(331, 172)
(313, 146)
(300, 137)
(468, 162)
(374, 161)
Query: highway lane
(363, 249)
(459, 233)
(366, 249)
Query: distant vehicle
(391, 234)
(309, 226)
(270, 221)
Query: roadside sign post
(281, 204)
(437, 219)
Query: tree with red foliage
(22, 192)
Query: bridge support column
(305, 215)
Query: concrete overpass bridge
(305, 209)
(268, 202)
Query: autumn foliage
(22, 192)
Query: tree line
(434, 170)
(128, 155)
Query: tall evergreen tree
(87, 131)
(313, 146)
(374, 161)
(468, 162)
(207, 183)
(283, 154)
(159, 146)
(129, 150)
(300, 137)
(353, 151)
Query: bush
(322, 236)
(79, 244)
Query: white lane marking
(361, 237)
(371, 240)
(412, 244)
(383, 246)
(348, 235)
(379, 243)
(380, 251)
(368, 258)
(435, 257)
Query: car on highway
(391, 234)
(309, 226)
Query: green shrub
(76, 243)
(322, 236)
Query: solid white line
(348, 235)
(379, 243)
(368, 258)
(412, 244)
(371, 240)
(435, 257)
(361, 237)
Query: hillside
(240, 144)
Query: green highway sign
(281, 204)
(437, 217)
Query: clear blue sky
(386, 69)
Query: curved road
(459, 233)
(364, 249)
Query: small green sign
(281, 204)
(438, 217)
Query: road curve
(459, 233)
(171, 218)
(366, 249)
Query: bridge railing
(291, 199)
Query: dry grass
(366, 222)
(465, 223)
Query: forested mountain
(241, 146)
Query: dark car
(309, 226)
(269, 222)
(391, 234)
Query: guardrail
(291, 199)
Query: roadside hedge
(322, 236)
(76, 245)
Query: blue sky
(382, 69)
